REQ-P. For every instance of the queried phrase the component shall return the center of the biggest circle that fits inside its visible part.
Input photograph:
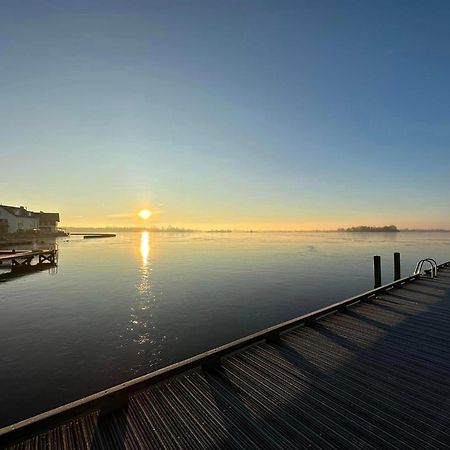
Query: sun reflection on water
(145, 247)
(141, 328)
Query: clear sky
(230, 114)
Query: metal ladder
(433, 270)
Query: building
(48, 222)
(3, 226)
(19, 219)
(16, 219)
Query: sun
(144, 214)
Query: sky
(227, 114)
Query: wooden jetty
(372, 371)
(22, 260)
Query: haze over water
(117, 308)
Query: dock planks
(373, 375)
(20, 254)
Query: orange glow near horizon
(164, 219)
(144, 214)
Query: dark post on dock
(377, 271)
(397, 267)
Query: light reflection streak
(145, 247)
(141, 328)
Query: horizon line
(239, 230)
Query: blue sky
(245, 114)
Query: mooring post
(377, 271)
(397, 270)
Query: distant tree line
(365, 229)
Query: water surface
(118, 308)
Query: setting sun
(144, 214)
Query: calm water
(117, 308)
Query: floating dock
(98, 236)
(372, 371)
(94, 235)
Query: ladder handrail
(433, 269)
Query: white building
(18, 219)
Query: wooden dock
(22, 260)
(372, 372)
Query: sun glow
(144, 214)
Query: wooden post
(377, 271)
(397, 269)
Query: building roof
(20, 211)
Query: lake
(117, 308)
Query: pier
(22, 260)
(371, 371)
